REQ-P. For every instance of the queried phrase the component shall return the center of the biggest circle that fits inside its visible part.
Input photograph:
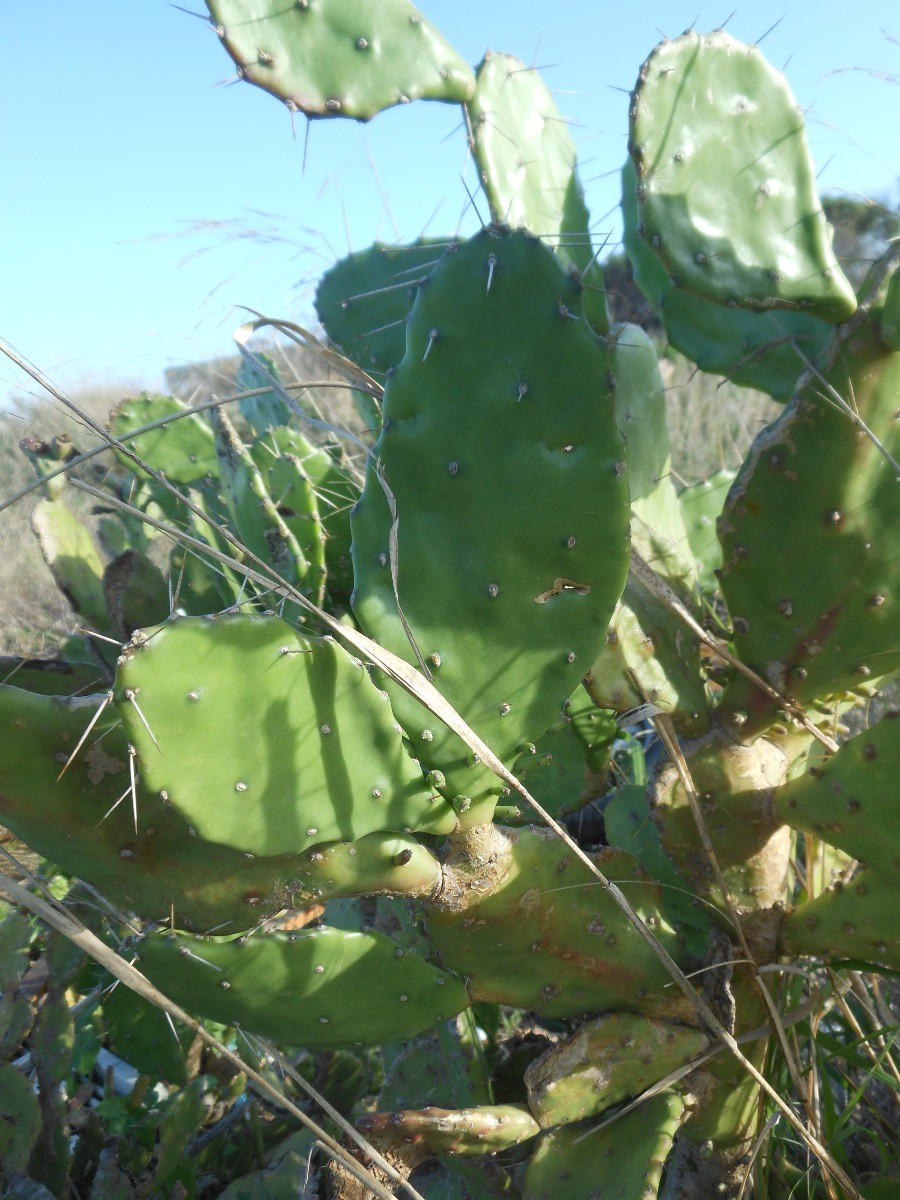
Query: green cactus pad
(305, 749)
(548, 938)
(444, 1068)
(850, 801)
(201, 586)
(462, 1131)
(890, 316)
(526, 161)
(363, 300)
(318, 988)
(74, 561)
(20, 1119)
(752, 349)
(857, 920)
(726, 188)
(288, 1168)
(182, 450)
(625, 1159)
(341, 58)
(817, 493)
(294, 496)
(604, 1062)
(140, 1034)
(701, 503)
(334, 494)
(501, 451)
(162, 868)
(649, 654)
(52, 676)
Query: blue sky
(116, 141)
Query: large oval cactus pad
(318, 989)
(501, 450)
(267, 741)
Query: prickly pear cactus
(310, 853)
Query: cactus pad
(501, 451)
(726, 186)
(547, 937)
(701, 503)
(363, 300)
(306, 746)
(752, 349)
(850, 801)
(182, 450)
(318, 988)
(604, 1062)
(526, 161)
(74, 561)
(625, 1159)
(340, 58)
(161, 869)
(857, 920)
(463, 1131)
(816, 492)
(566, 768)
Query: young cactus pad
(363, 300)
(501, 451)
(340, 58)
(267, 741)
(606, 1061)
(624, 1159)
